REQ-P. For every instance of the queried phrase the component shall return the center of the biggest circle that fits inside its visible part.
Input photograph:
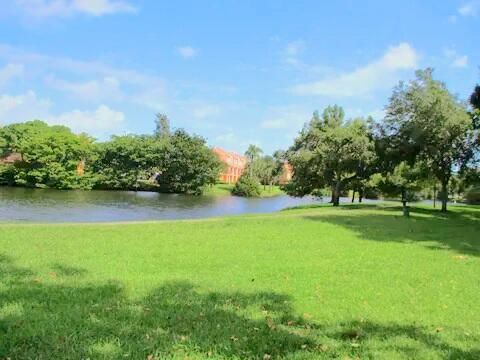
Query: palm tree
(253, 152)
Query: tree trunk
(406, 211)
(444, 195)
(336, 200)
(353, 196)
(360, 195)
(434, 195)
(332, 200)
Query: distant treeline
(33, 154)
(428, 141)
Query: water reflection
(38, 205)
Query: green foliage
(424, 116)
(162, 126)
(126, 160)
(50, 155)
(403, 181)
(472, 196)
(247, 186)
(253, 152)
(187, 164)
(325, 155)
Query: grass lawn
(352, 282)
(226, 189)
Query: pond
(38, 205)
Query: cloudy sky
(235, 72)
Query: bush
(473, 195)
(247, 186)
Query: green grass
(226, 189)
(352, 282)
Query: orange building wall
(234, 165)
(287, 174)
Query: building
(286, 175)
(11, 158)
(15, 157)
(235, 165)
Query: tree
(125, 161)
(246, 186)
(265, 171)
(475, 103)
(475, 98)
(253, 152)
(50, 156)
(333, 116)
(162, 126)
(187, 164)
(434, 125)
(329, 155)
(403, 180)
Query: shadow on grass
(44, 320)
(457, 230)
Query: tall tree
(436, 127)
(333, 116)
(188, 164)
(162, 125)
(329, 155)
(253, 152)
(475, 102)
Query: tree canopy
(330, 154)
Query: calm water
(36, 205)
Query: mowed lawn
(315, 283)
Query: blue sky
(235, 72)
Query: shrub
(473, 195)
(247, 186)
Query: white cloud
(363, 81)
(100, 122)
(469, 9)
(23, 107)
(94, 90)
(9, 72)
(143, 88)
(47, 64)
(65, 8)
(456, 60)
(205, 110)
(187, 52)
(154, 97)
(460, 62)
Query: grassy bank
(226, 189)
(300, 284)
